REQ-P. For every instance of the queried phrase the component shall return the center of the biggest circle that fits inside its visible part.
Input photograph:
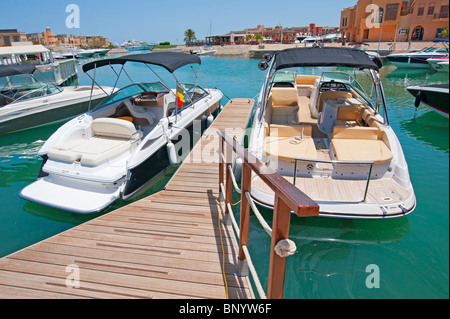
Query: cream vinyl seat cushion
(111, 137)
(284, 106)
(361, 150)
(289, 148)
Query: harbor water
(335, 258)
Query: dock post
(244, 217)
(277, 264)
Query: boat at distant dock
(435, 96)
(134, 45)
(419, 58)
(39, 103)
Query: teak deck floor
(164, 246)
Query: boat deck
(167, 245)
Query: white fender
(209, 120)
(172, 153)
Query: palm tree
(189, 36)
(444, 34)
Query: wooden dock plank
(167, 245)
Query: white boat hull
(49, 109)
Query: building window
(431, 9)
(391, 11)
(438, 32)
(366, 34)
(444, 12)
(16, 38)
(7, 39)
(421, 10)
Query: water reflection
(345, 231)
(430, 128)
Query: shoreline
(247, 51)
(254, 51)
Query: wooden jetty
(168, 245)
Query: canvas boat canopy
(15, 69)
(342, 57)
(171, 61)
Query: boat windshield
(351, 83)
(131, 91)
(433, 49)
(192, 93)
(31, 91)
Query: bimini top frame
(171, 61)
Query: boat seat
(331, 95)
(360, 144)
(306, 81)
(361, 150)
(289, 148)
(140, 114)
(111, 137)
(290, 130)
(283, 106)
(313, 99)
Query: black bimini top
(15, 69)
(171, 61)
(342, 57)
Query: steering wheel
(333, 86)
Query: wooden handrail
(287, 198)
(297, 201)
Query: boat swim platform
(165, 246)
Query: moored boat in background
(434, 96)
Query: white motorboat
(328, 137)
(435, 97)
(439, 64)
(39, 103)
(116, 150)
(204, 51)
(419, 59)
(134, 45)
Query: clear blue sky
(166, 20)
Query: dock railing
(288, 199)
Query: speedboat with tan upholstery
(126, 142)
(323, 132)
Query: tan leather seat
(111, 137)
(331, 95)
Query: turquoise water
(412, 253)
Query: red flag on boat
(180, 98)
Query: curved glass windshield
(191, 94)
(32, 91)
(347, 79)
(133, 90)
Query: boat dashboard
(333, 86)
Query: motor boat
(24, 106)
(419, 59)
(375, 56)
(439, 64)
(204, 51)
(134, 45)
(326, 135)
(119, 148)
(434, 96)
